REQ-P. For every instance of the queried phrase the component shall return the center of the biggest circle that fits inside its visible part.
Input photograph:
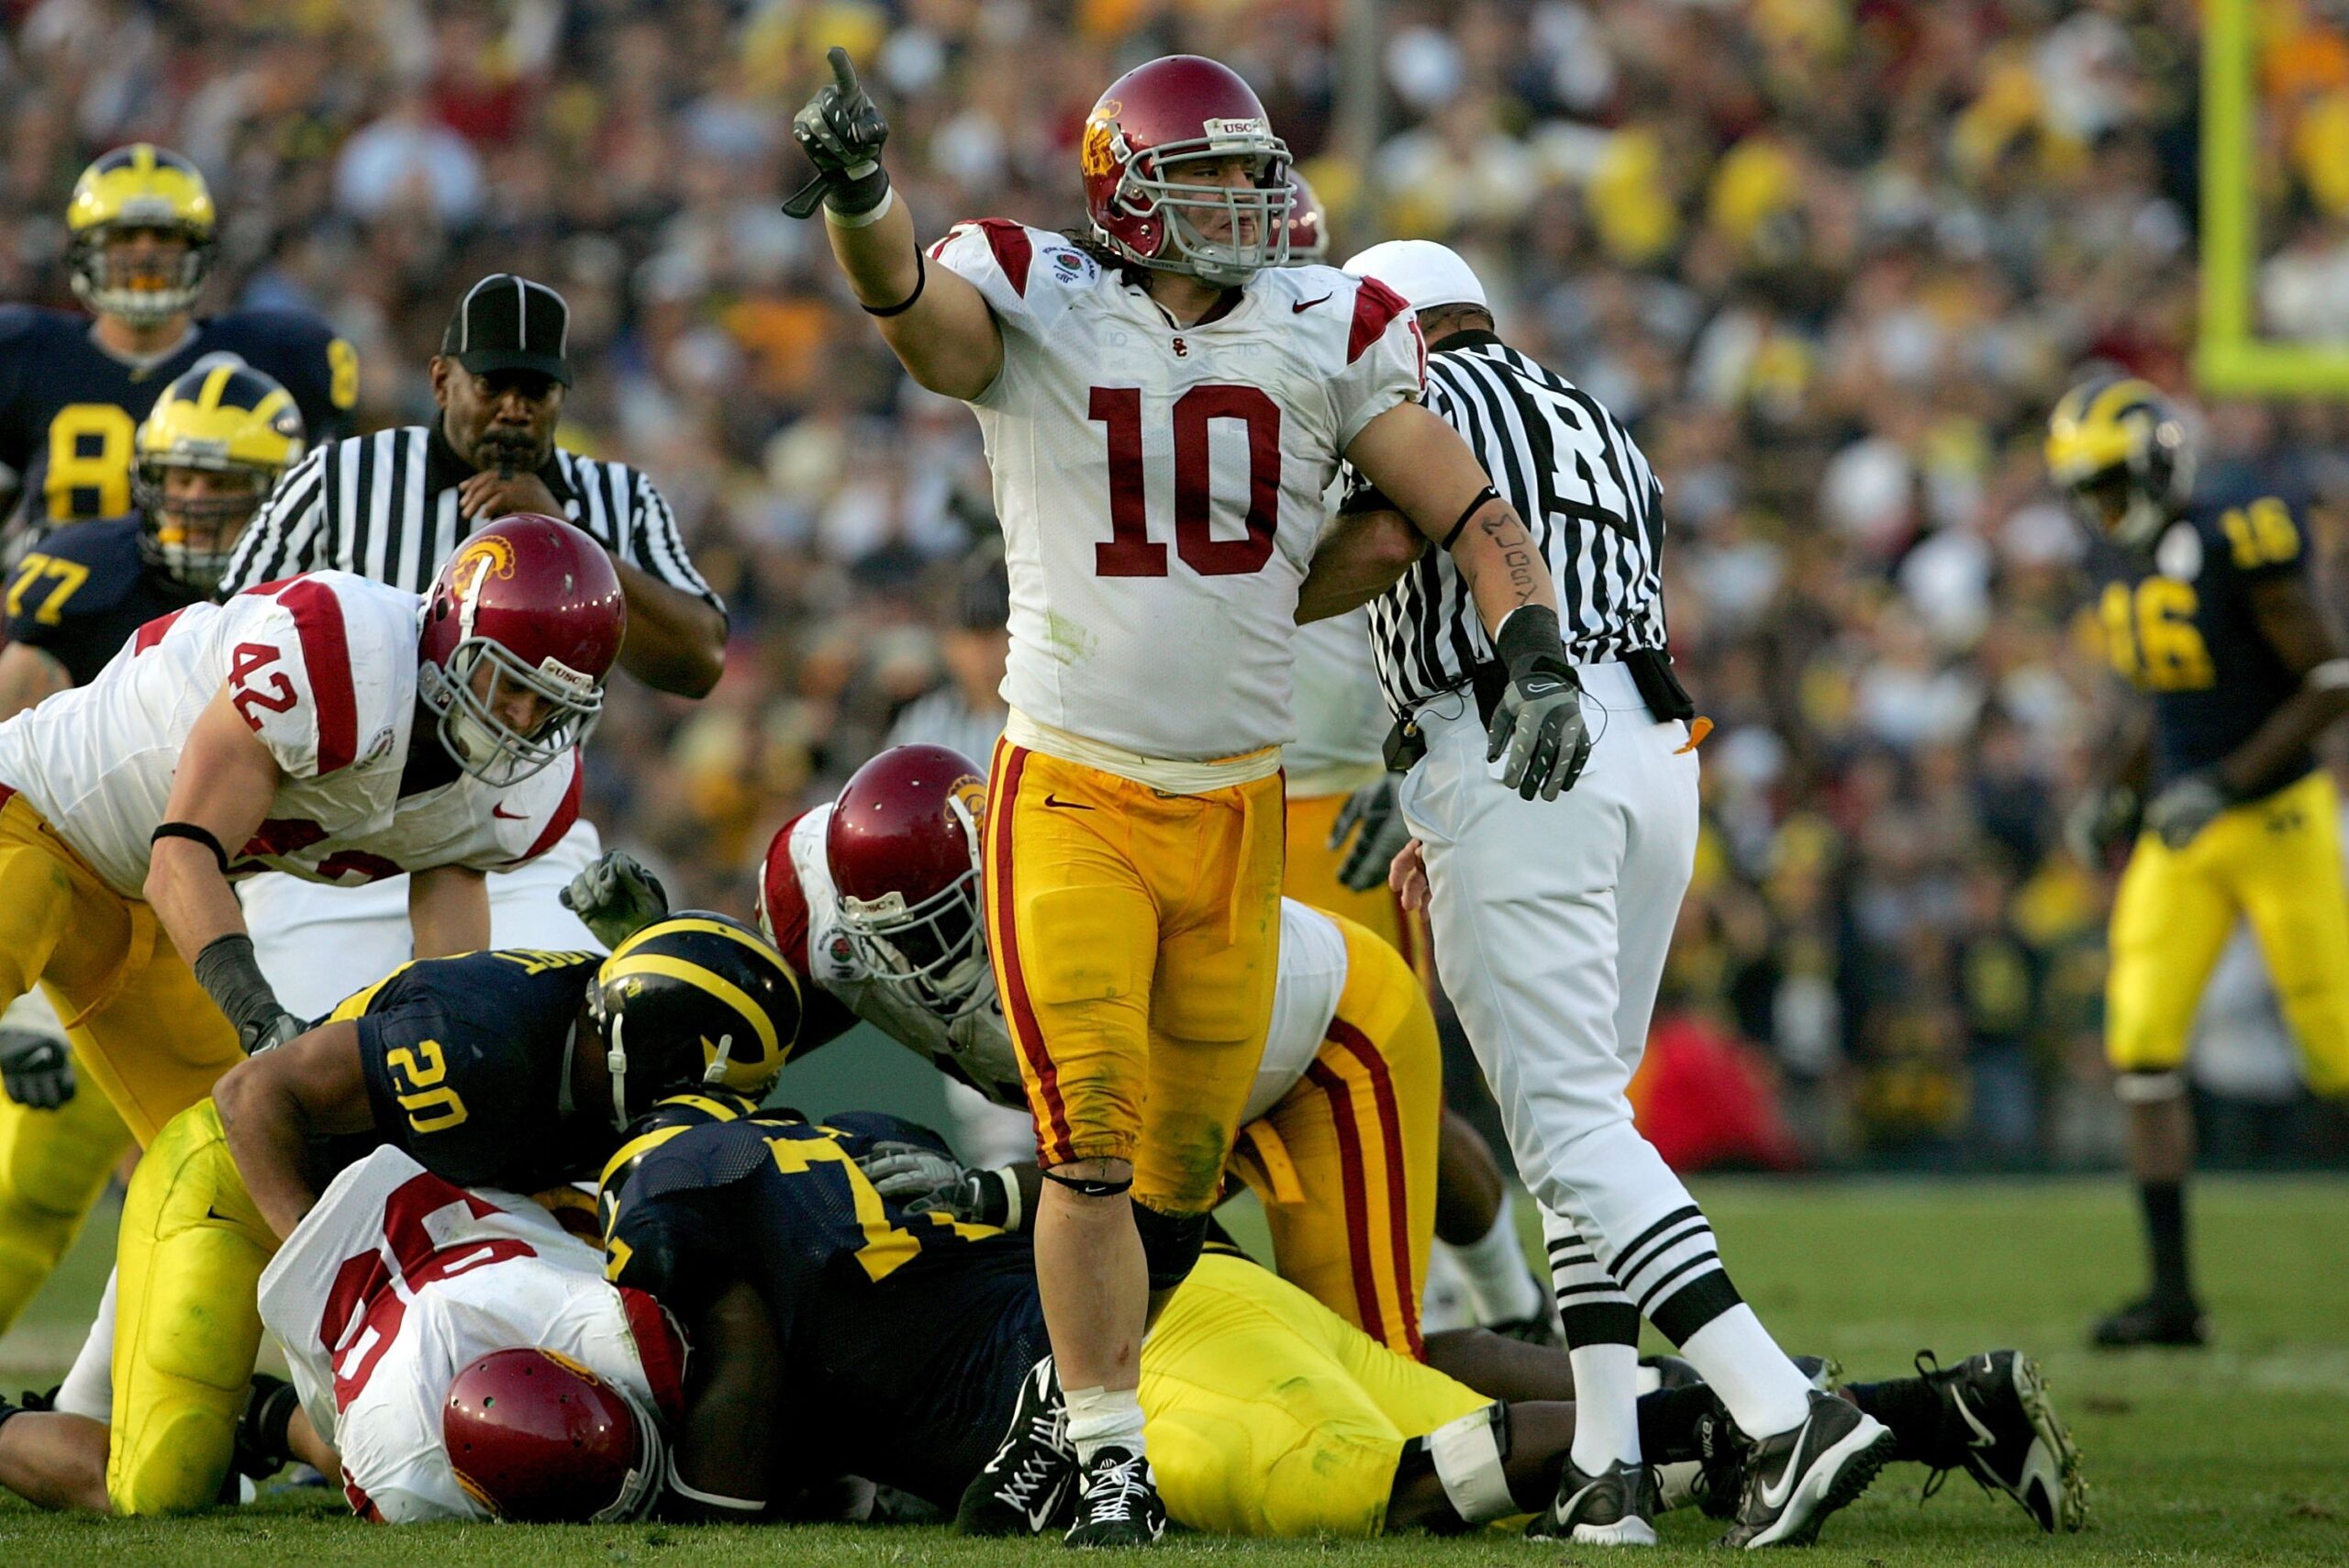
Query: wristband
(1527, 635)
(194, 835)
(231, 976)
(852, 198)
(866, 219)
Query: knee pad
(1169, 1244)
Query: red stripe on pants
(1052, 1145)
(1390, 1137)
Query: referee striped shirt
(1593, 503)
(384, 505)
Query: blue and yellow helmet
(2118, 447)
(225, 418)
(140, 186)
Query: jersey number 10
(1131, 552)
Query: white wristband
(862, 219)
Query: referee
(393, 506)
(1552, 918)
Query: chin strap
(616, 1064)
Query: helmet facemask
(2131, 502)
(934, 952)
(484, 744)
(1253, 218)
(166, 522)
(112, 285)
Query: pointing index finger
(843, 74)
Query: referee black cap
(509, 323)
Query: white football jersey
(323, 668)
(1341, 719)
(976, 1047)
(398, 1280)
(1160, 486)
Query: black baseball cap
(509, 323)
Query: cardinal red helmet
(902, 847)
(536, 1438)
(536, 605)
(1308, 225)
(1153, 119)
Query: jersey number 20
(1131, 552)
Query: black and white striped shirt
(384, 505)
(1583, 487)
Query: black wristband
(231, 976)
(1529, 637)
(194, 835)
(854, 198)
(1486, 494)
(921, 282)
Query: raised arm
(934, 321)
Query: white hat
(1425, 274)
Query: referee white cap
(1425, 274)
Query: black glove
(841, 132)
(232, 978)
(37, 1070)
(1539, 719)
(1375, 809)
(2103, 818)
(616, 897)
(2186, 808)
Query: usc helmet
(223, 417)
(134, 187)
(539, 602)
(2118, 447)
(694, 1001)
(536, 1438)
(1180, 109)
(903, 848)
(1308, 225)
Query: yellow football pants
(2274, 862)
(1268, 1415)
(53, 1165)
(1346, 1162)
(1135, 937)
(1311, 877)
(187, 1319)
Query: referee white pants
(318, 944)
(1552, 919)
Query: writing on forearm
(1500, 524)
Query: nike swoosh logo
(500, 811)
(1052, 799)
(1982, 1436)
(1302, 306)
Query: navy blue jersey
(905, 1337)
(466, 1061)
(2179, 624)
(69, 409)
(84, 591)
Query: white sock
(1104, 1417)
(1755, 1379)
(88, 1389)
(1606, 1416)
(1502, 1287)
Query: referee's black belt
(1651, 670)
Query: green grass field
(2239, 1454)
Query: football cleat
(1998, 1425)
(2154, 1320)
(1026, 1488)
(1794, 1479)
(1615, 1507)
(1118, 1502)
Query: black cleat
(1615, 1507)
(1795, 1479)
(1998, 1425)
(2154, 1320)
(1026, 1488)
(1118, 1502)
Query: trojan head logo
(1100, 152)
(969, 793)
(480, 560)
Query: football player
(508, 1069)
(2206, 604)
(1164, 407)
(217, 440)
(873, 900)
(72, 392)
(922, 1336)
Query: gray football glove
(2186, 808)
(926, 1182)
(615, 897)
(1538, 722)
(841, 132)
(1375, 809)
(36, 1070)
(2102, 820)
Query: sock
(1669, 1420)
(1104, 1417)
(2164, 1204)
(1503, 1289)
(1765, 1393)
(1911, 1410)
(1607, 1422)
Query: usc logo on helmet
(482, 558)
(1100, 150)
(969, 793)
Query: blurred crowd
(1831, 259)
